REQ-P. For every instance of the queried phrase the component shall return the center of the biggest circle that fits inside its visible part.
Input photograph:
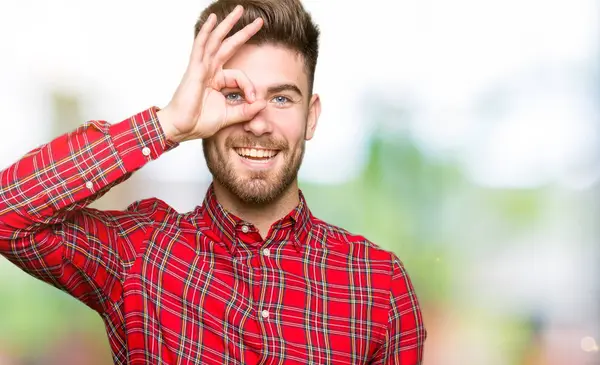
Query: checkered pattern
(201, 287)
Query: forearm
(73, 170)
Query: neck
(261, 216)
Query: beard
(259, 187)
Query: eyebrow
(284, 87)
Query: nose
(259, 125)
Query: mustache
(250, 141)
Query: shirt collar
(224, 226)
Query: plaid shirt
(201, 287)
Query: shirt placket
(263, 290)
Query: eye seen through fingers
(234, 98)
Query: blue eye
(281, 99)
(234, 97)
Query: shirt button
(146, 151)
(265, 314)
(89, 185)
(266, 252)
(245, 229)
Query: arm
(45, 227)
(405, 335)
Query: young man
(250, 276)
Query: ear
(314, 111)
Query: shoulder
(152, 208)
(341, 239)
(385, 266)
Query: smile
(256, 154)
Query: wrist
(166, 123)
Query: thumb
(243, 112)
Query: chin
(256, 191)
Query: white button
(245, 229)
(146, 151)
(89, 185)
(266, 252)
(265, 314)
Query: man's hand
(198, 109)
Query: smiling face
(257, 161)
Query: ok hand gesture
(198, 109)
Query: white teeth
(256, 153)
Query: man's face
(259, 159)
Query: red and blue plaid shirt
(201, 287)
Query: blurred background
(462, 135)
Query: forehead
(267, 65)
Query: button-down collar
(227, 227)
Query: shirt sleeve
(46, 228)
(405, 335)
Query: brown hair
(286, 23)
